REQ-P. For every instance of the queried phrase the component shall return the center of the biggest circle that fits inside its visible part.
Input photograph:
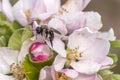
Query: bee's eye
(39, 30)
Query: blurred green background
(110, 12)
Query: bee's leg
(51, 37)
(46, 33)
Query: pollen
(17, 71)
(27, 13)
(61, 76)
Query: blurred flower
(6, 8)
(7, 58)
(27, 10)
(39, 51)
(74, 5)
(0, 6)
(85, 53)
(49, 73)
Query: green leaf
(106, 74)
(116, 77)
(114, 57)
(18, 37)
(15, 40)
(32, 69)
(2, 17)
(3, 41)
(115, 44)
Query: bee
(47, 32)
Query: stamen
(61, 76)
(17, 71)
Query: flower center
(17, 71)
(72, 55)
(61, 76)
(27, 13)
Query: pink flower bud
(39, 51)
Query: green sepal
(116, 77)
(114, 57)
(18, 37)
(106, 74)
(115, 44)
(32, 69)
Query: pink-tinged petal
(109, 35)
(39, 51)
(70, 73)
(58, 46)
(7, 57)
(45, 74)
(93, 21)
(0, 6)
(7, 10)
(107, 63)
(59, 63)
(24, 50)
(75, 5)
(43, 16)
(34, 26)
(81, 39)
(52, 5)
(98, 51)
(40, 57)
(38, 48)
(19, 13)
(58, 24)
(6, 77)
(38, 7)
(73, 21)
(88, 77)
(86, 67)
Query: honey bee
(47, 32)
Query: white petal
(58, 46)
(70, 73)
(75, 5)
(24, 50)
(107, 63)
(98, 51)
(73, 20)
(107, 35)
(86, 67)
(58, 24)
(6, 77)
(93, 21)
(7, 10)
(19, 12)
(52, 5)
(7, 57)
(81, 39)
(88, 77)
(35, 10)
(59, 63)
(45, 74)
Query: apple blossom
(85, 53)
(49, 73)
(9, 64)
(27, 10)
(39, 51)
